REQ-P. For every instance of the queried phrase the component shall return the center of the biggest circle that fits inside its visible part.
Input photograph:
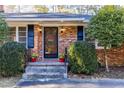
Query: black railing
(27, 56)
(66, 62)
(66, 55)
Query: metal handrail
(66, 61)
(27, 57)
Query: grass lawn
(8, 82)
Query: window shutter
(30, 36)
(80, 33)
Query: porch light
(39, 28)
(62, 29)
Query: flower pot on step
(33, 59)
(61, 60)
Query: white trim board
(52, 23)
(46, 19)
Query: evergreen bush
(12, 59)
(82, 58)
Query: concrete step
(43, 76)
(40, 69)
(46, 64)
(45, 71)
(42, 80)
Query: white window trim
(27, 36)
(17, 34)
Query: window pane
(12, 34)
(22, 39)
(22, 33)
(22, 28)
(13, 38)
(12, 28)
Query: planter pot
(61, 60)
(33, 59)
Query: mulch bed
(115, 73)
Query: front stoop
(45, 71)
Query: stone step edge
(44, 73)
(36, 78)
(47, 64)
(46, 67)
(25, 75)
(42, 80)
(48, 71)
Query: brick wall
(37, 41)
(66, 37)
(115, 56)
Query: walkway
(74, 83)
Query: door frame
(43, 38)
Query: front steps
(45, 71)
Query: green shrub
(82, 58)
(12, 58)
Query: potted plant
(34, 57)
(62, 57)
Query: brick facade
(37, 41)
(66, 37)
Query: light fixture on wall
(40, 28)
(62, 29)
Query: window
(22, 35)
(80, 33)
(12, 35)
(18, 34)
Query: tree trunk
(106, 59)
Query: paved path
(74, 83)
